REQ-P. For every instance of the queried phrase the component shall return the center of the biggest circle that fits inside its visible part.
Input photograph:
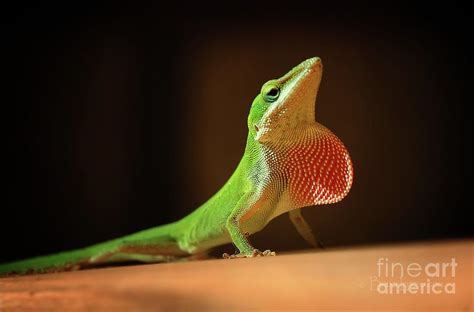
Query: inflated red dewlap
(319, 169)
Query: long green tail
(152, 245)
(63, 261)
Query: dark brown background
(127, 117)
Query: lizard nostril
(256, 128)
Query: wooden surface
(339, 279)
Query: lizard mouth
(300, 87)
(296, 105)
(299, 72)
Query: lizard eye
(271, 93)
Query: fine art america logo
(394, 278)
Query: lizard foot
(255, 253)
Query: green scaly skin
(290, 161)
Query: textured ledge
(330, 279)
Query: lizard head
(314, 161)
(286, 104)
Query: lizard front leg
(303, 228)
(239, 237)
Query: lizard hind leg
(144, 254)
(125, 257)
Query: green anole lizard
(290, 161)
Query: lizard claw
(255, 253)
(266, 253)
(234, 256)
(269, 253)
